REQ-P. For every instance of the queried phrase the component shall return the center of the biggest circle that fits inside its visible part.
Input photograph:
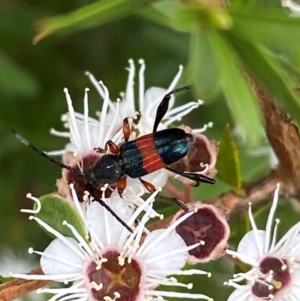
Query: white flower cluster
(87, 134)
(125, 261)
(110, 262)
(275, 268)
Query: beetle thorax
(107, 170)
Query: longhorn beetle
(135, 158)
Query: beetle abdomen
(172, 144)
(151, 152)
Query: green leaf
(203, 16)
(241, 219)
(99, 12)
(189, 15)
(253, 5)
(242, 4)
(228, 162)
(240, 98)
(201, 68)
(262, 65)
(55, 210)
(5, 279)
(270, 26)
(183, 17)
(157, 16)
(15, 80)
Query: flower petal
(163, 255)
(60, 259)
(243, 293)
(157, 178)
(252, 244)
(283, 246)
(107, 228)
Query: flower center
(275, 276)
(205, 226)
(115, 278)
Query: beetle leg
(126, 129)
(138, 118)
(99, 150)
(121, 185)
(151, 188)
(164, 106)
(174, 200)
(126, 126)
(193, 176)
(112, 147)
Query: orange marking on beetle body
(151, 158)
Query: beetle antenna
(164, 106)
(114, 214)
(43, 154)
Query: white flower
(20, 264)
(275, 270)
(292, 6)
(87, 133)
(208, 224)
(11, 259)
(110, 263)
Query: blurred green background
(32, 78)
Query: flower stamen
(37, 203)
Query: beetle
(144, 155)
(135, 158)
